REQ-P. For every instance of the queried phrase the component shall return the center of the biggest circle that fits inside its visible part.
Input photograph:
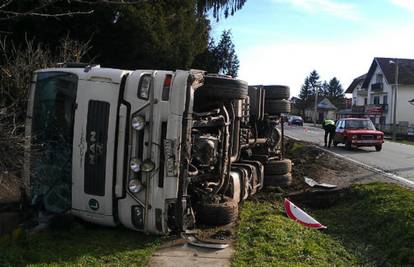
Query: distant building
(325, 109)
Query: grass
(81, 247)
(372, 225)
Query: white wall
(405, 111)
(357, 100)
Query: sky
(282, 41)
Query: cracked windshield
(160, 133)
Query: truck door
(94, 149)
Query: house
(325, 110)
(373, 93)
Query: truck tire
(275, 107)
(277, 92)
(378, 147)
(216, 214)
(278, 180)
(221, 88)
(278, 167)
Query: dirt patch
(310, 161)
(11, 188)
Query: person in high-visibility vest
(330, 128)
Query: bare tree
(16, 70)
(9, 11)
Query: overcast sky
(282, 41)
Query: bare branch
(6, 4)
(111, 2)
(26, 14)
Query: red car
(358, 132)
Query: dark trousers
(329, 130)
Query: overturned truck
(154, 151)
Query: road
(394, 158)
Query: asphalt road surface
(394, 158)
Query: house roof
(354, 83)
(405, 70)
(325, 104)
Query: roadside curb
(391, 176)
(185, 255)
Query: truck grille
(96, 138)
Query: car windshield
(359, 124)
(296, 118)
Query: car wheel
(278, 180)
(276, 92)
(216, 214)
(278, 167)
(378, 147)
(275, 107)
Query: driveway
(394, 158)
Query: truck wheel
(335, 143)
(221, 88)
(378, 147)
(278, 180)
(216, 214)
(277, 92)
(275, 107)
(278, 167)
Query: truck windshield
(52, 135)
(359, 124)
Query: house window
(379, 78)
(365, 101)
(385, 99)
(376, 100)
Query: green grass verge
(373, 225)
(81, 247)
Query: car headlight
(135, 186)
(354, 137)
(147, 166)
(135, 165)
(138, 122)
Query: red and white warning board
(296, 214)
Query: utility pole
(394, 121)
(316, 106)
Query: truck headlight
(137, 216)
(379, 136)
(144, 87)
(135, 165)
(147, 166)
(135, 186)
(138, 122)
(354, 137)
